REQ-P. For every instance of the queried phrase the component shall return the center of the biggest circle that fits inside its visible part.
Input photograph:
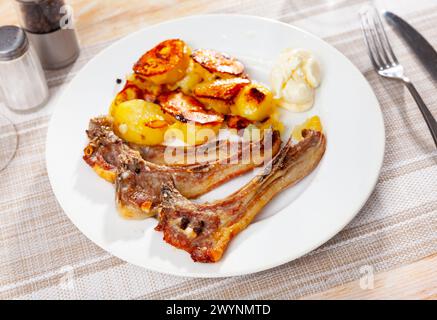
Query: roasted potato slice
(129, 92)
(254, 102)
(237, 122)
(193, 123)
(140, 122)
(166, 63)
(150, 90)
(217, 64)
(189, 81)
(137, 87)
(220, 94)
(185, 109)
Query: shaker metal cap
(13, 43)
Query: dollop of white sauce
(294, 78)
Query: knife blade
(420, 46)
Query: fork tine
(376, 38)
(366, 37)
(376, 60)
(384, 39)
(377, 35)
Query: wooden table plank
(417, 280)
(102, 20)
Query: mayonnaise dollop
(294, 78)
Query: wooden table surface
(103, 20)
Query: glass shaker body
(22, 79)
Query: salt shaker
(22, 78)
(50, 29)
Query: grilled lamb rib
(138, 182)
(205, 230)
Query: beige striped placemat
(43, 255)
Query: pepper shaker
(22, 80)
(50, 30)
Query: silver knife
(421, 47)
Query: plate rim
(285, 259)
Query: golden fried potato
(312, 123)
(212, 64)
(254, 102)
(150, 90)
(136, 87)
(237, 122)
(219, 94)
(166, 63)
(140, 122)
(189, 81)
(129, 92)
(192, 122)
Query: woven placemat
(43, 255)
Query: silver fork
(385, 62)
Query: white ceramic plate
(299, 220)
